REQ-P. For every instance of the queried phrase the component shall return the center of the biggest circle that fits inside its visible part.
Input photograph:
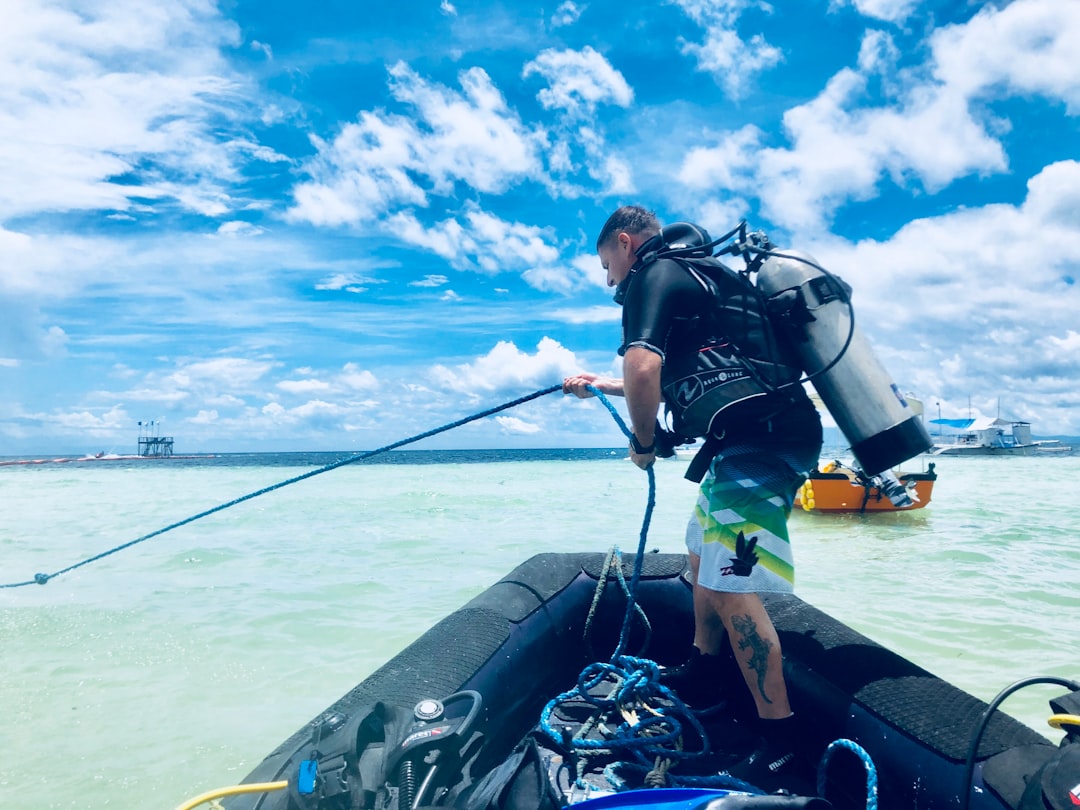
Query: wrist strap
(641, 451)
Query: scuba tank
(812, 308)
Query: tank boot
(774, 763)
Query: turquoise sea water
(175, 665)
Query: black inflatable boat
(543, 692)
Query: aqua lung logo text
(691, 389)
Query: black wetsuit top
(661, 302)
(668, 311)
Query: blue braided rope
(41, 579)
(649, 506)
(614, 556)
(864, 757)
(659, 733)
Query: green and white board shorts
(748, 493)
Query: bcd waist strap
(699, 464)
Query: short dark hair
(630, 218)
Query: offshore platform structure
(151, 443)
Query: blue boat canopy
(959, 424)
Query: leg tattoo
(748, 636)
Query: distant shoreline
(11, 462)
(317, 458)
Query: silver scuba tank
(812, 308)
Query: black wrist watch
(641, 451)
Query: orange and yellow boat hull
(840, 492)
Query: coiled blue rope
(41, 579)
(632, 680)
(658, 732)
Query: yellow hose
(254, 787)
(1062, 720)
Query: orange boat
(838, 488)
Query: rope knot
(658, 776)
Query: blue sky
(285, 226)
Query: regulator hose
(235, 790)
(984, 720)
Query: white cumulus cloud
(578, 81)
(506, 367)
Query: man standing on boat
(764, 445)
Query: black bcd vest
(728, 355)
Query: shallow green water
(175, 665)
